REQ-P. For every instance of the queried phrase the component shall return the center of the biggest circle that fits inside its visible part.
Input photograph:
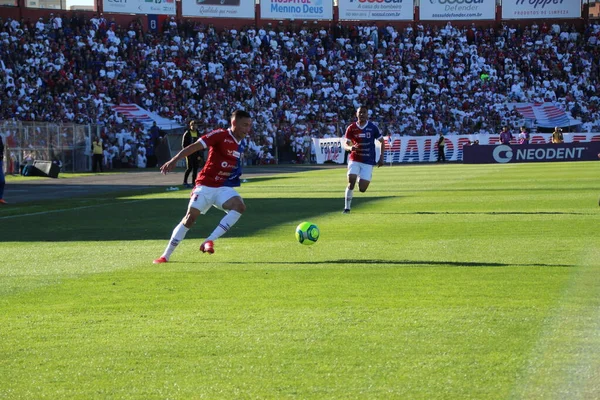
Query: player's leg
(365, 175)
(353, 169)
(232, 203)
(363, 185)
(179, 234)
(188, 170)
(200, 202)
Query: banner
(145, 117)
(545, 115)
(445, 10)
(374, 10)
(166, 7)
(520, 153)
(413, 149)
(218, 8)
(528, 9)
(296, 9)
(153, 23)
(331, 150)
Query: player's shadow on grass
(516, 189)
(32, 193)
(420, 263)
(482, 213)
(154, 219)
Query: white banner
(374, 10)
(296, 9)
(331, 150)
(448, 10)
(410, 149)
(528, 9)
(160, 7)
(218, 8)
(145, 117)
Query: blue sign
(153, 23)
(502, 154)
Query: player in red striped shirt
(215, 183)
(359, 140)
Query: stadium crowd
(298, 79)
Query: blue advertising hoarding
(520, 153)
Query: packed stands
(299, 83)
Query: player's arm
(348, 145)
(186, 151)
(382, 155)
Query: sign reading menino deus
(501, 154)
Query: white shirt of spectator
(57, 22)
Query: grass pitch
(445, 281)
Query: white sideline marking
(67, 209)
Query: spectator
(154, 140)
(127, 155)
(428, 79)
(524, 136)
(2, 179)
(441, 146)
(109, 156)
(557, 135)
(505, 135)
(97, 155)
(141, 159)
(192, 162)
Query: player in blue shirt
(360, 140)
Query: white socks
(348, 198)
(180, 231)
(178, 235)
(226, 223)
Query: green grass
(445, 282)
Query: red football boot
(207, 247)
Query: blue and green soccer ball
(307, 233)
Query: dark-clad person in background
(192, 162)
(153, 142)
(441, 146)
(505, 135)
(2, 180)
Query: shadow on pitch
(483, 213)
(153, 219)
(409, 263)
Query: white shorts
(203, 197)
(364, 171)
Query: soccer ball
(307, 233)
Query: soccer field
(445, 282)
